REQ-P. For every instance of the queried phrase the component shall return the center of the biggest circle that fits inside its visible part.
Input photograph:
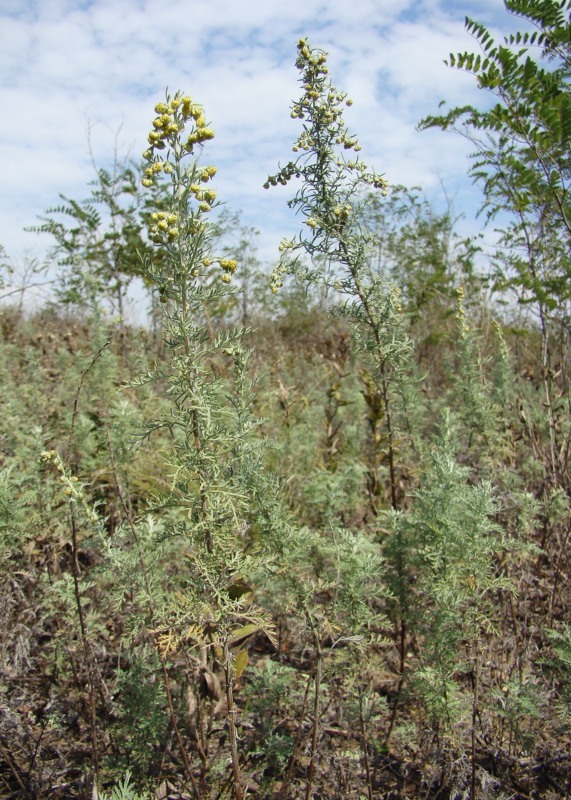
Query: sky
(79, 80)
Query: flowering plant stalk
(335, 183)
(335, 190)
(213, 460)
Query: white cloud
(65, 63)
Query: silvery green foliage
(123, 790)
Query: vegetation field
(306, 533)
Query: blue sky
(80, 75)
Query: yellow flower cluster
(322, 104)
(205, 197)
(73, 488)
(228, 264)
(198, 136)
(315, 59)
(274, 180)
(341, 214)
(206, 173)
(203, 194)
(283, 176)
(229, 267)
(168, 126)
(337, 219)
(164, 228)
(169, 135)
(277, 277)
(286, 244)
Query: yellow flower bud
(204, 133)
(206, 173)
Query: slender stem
(75, 568)
(475, 676)
(382, 369)
(231, 716)
(547, 387)
(18, 773)
(402, 658)
(364, 746)
(87, 654)
(283, 790)
(315, 727)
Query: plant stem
(315, 727)
(282, 793)
(402, 657)
(231, 716)
(87, 654)
(364, 745)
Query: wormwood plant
(445, 613)
(205, 610)
(451, 540)
(331, 201)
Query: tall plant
(450, 518)
(214, 460)
(331, 202)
